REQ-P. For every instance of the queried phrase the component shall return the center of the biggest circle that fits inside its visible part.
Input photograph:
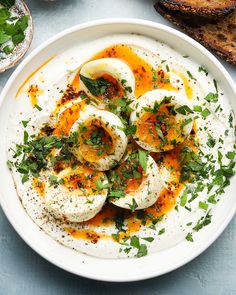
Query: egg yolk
(160, 129)
(128, 176)
(83, 179)
(111, 88)
(96, 140)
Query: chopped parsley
(184, 110)
(203, 221)
(96, 87)
(142, 248)
(133, 206)
(211, 97)
(191, 76)
(205, 113)
(142, 159)
(148, 239)
(202, 69)
(38, 107)
(100, 185)
(211, 141)
(55, 181)
(189, 237)
(203, 205)
(161, 231)
(183, 198)
(25, 123)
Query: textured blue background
(22, 271)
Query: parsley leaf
(100, 185)
(96, 87)
(203, 205)
(191, 76)
(183, 198)
(148, 239)
(133, 206)
(205, 113)
(204, 221)
(134, 242)
(211, 97)
(202, 69)
(142, 251)
(189, 237)
(142, 159)
(116, 194)
(184, 110)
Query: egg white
(113, 67)
(148, 100)
(147, 193)
(75, 205)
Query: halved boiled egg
(76, 195)
(101, 138)
(107, 79)
(163, 119)
(133, 186)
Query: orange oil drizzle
(67, 118)
(33, 93)
(39, 186)
(33, 73)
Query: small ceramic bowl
(20, 9)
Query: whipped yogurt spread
(121, 147)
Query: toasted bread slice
(218, 36)
(207, 8)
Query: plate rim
(94, 23)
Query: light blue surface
(22, 271)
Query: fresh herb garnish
(133, 206)
(189, 237)
(148, 239)
(184, 110)
(203, 205)
(211, 141)
(142, 159)
(211, 97)
(202, 69)
(191, 76)
(142, 248)
(183, 198)
(38, 107)
(205, 113)
(55, 181)
(203, 221)
(100, 185)
(96, 87)
(116, 194)
(161, 231)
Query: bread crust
(217, 36)
(203, 8)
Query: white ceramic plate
(78, 263)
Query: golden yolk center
(129, 176)
(82, 178)
(95, 140)
(160, 128)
